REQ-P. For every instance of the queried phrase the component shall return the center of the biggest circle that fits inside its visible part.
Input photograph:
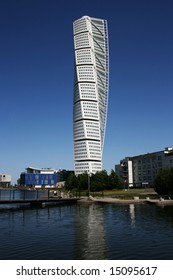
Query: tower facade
(91, 84)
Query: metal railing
(34, 194)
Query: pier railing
(33, 194)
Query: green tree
(164, 182)
(99, 181)
(83, 181)
(115, 181)
(71, 182)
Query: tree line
(101, 181)
(164, 182)
(97, 182)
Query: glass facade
(30, 179)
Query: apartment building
(141, 170)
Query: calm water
(87, 231)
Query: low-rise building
(38, 177)
(43, 177)
(141, 170)
(5, 180)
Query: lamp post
(88, 184)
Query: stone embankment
(161, 201)
(136, 200)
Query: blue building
(38, 177)
(44, 177)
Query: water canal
(87, 231)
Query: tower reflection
(90, 221)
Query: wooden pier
(38, 201)
(34, 198)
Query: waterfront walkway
(127, 201)
(39, 198)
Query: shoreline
(125, 201)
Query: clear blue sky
(36, 80)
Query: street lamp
(88, 184)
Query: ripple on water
(88, 232)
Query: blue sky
(36, 80)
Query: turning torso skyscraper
(90, 93)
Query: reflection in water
(90, 226)
(87, 231)
(132, 214)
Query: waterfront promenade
(47, 197)
(136, 200)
